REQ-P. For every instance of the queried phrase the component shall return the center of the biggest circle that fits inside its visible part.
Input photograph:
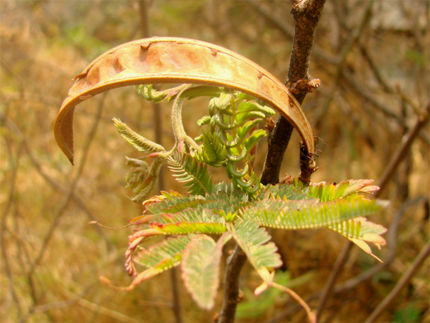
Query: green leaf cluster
(230, 136)
(239, 210)
(229, 210)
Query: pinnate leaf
(308, 214)
(252, 239)
(158, 258)
(360, 231)
(200, 268)
(329, 191)
(170, 248)
(194, 174)
(136, 140)
(183, 228)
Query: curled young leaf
(176, 60)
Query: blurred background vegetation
(375, 82)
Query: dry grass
(44, 44)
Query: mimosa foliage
(239, 209)
(201, 268)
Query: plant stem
(231, 282)
(306, 14)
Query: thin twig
(288, 30)
(231, 283)
(101, 309)
(342, 58)
(55, 305)
(54, 183)
(338, 265)
(61, 210)
(14, 164)
(158, 136)
(416, 265)
(401, 152)
(306, 14)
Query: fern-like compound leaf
(223, 201)
(158, 258)
(255, 137)
(194, 174)
(200, 268)
(189, 215)
(282, 191)
(182, 228)
(136, 140)
(213, 151)
(330, 191)
(172, 203)
(171, 248)
(308, 214)
(360, 231)
(253, 239)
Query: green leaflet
(307, 214)
(172, 203)
(282, 191)
(243, 131)
(357, 228)
(183, 228)
(136, 140)
(200, 268)
(360, 231)
(187, 170)
(147, 92)
(158, 258)
(213, 151)
(223, 201)
(255, 137)
(252, 239)
(328, 191)
(190, 215)
(171, 248)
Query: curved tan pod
(177, 60)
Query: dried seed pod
(176, 60)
